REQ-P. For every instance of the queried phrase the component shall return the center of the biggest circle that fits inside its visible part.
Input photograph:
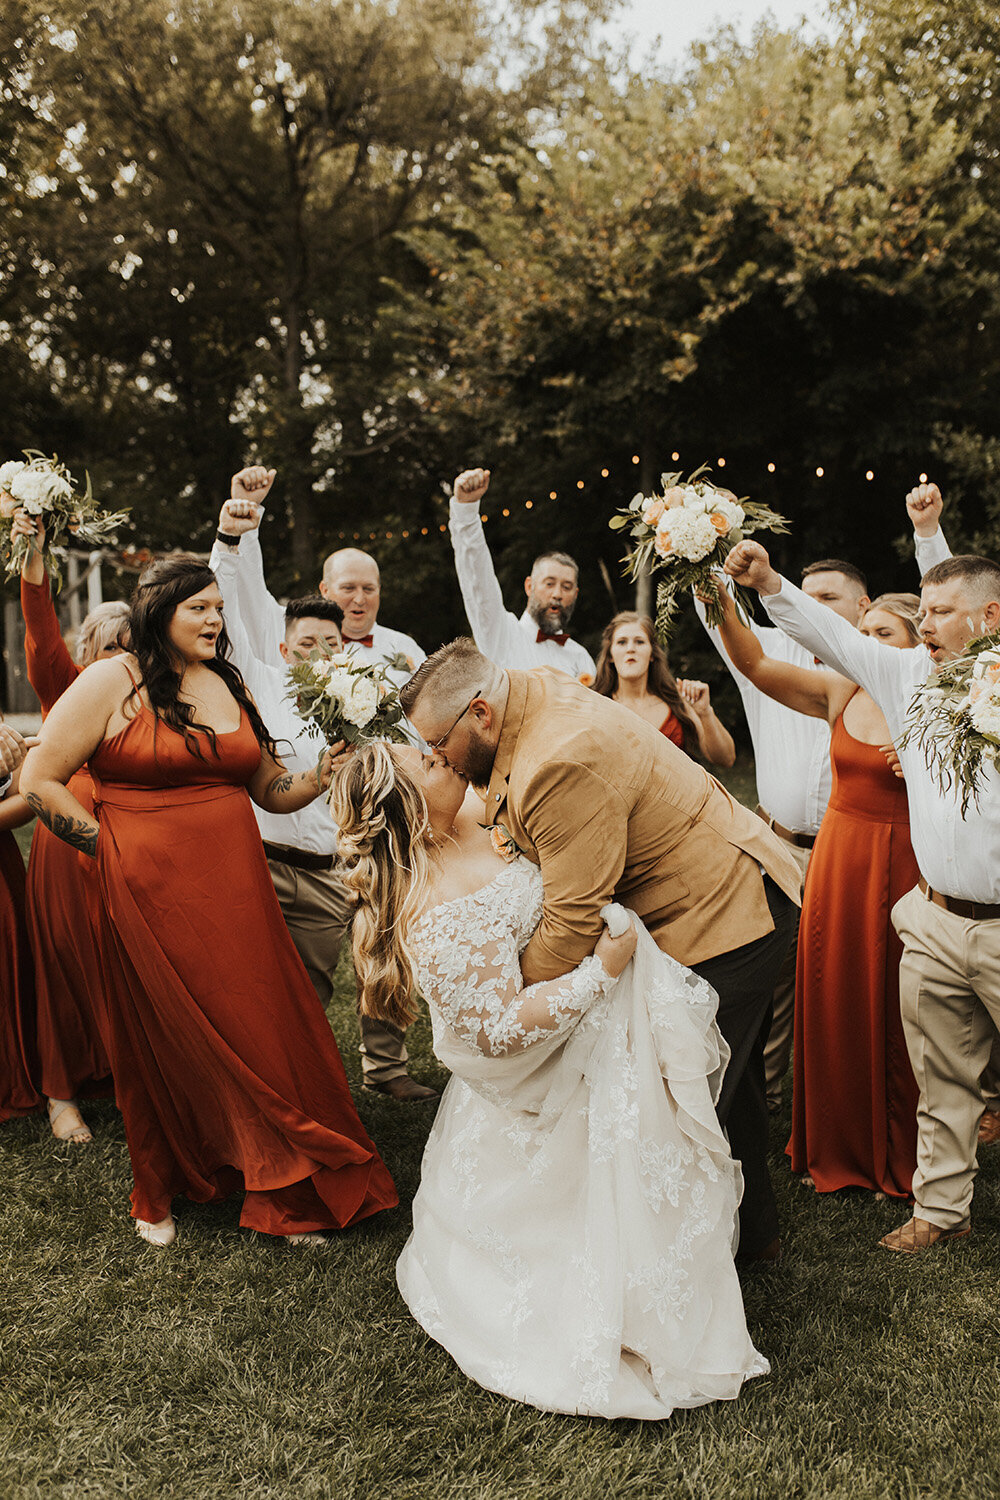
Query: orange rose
(662, 545)
(653, 511)
(8, 505)
(674, 496)
(719, 522)
(587, 679)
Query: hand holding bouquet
(685, 535)
(955, 718)
(345, 699)
(44, 489)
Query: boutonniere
(503, 841)
(399, 662)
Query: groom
(608, 808)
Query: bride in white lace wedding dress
(574, 1228)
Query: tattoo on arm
(282, 783)
(73, 831)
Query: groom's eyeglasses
(434, 745)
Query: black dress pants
(745, 980)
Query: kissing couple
(576, 1221)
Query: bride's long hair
(382, 837)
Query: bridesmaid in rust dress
(854, 1097)
(632, 668)
(227, 1073)
(18, 1095)
(63, 901)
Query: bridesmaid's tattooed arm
(77, 832)
(278, 790)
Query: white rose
(361, 705)
(695, 502)
(683, 533)
(985, 714)
(29, 488)
(8, 473)
(733, 514)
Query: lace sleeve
(475, 983)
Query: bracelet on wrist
(227, 538)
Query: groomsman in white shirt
(301, 847)
(949, 923)
(539, 638)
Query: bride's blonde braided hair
(382, 824)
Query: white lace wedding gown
(574, 1228)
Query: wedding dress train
(574, 1228)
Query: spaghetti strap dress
(63, 900)
(18, 1065)
(854, 1097)
(226, 1070)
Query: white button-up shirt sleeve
(263, 617)
(930, 550)
(957, 856)
(499, 634)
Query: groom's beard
(478, 764)
(551, 619)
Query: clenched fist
(924, 506)
(749, 564)
(471, 485)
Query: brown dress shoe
(989, 1128)
(404, 1089)
(920, 1234)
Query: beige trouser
(779, 1038)
(949, 989)
(317, 914)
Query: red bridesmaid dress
(63, 899)
(18, 1095)
(673, 730)
(854, 1097)
(227, 1073)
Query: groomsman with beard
(949, 923)
(301, 847)
(539, 637)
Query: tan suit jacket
(610, 809)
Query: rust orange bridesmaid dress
(63, 901)
(227, 1073)
(18, 1095)
(854, 1097)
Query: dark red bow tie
(560, 640)
(358, 640)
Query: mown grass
(231, 1366)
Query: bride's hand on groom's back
(615, 952)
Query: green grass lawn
(232, 1366)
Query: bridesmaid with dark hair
(632, 669)
(63, 901)
(226, 1071)
(18, 1095)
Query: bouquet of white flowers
(955, 718)
(685, 535)
(44, 488)
(345, 699)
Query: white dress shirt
(299, 744)
(957, 856)
(930, 550)
(263, 619)
(791, 750)
(500, 635)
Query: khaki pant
(778, 1049)
(317, 914)
(949, 988)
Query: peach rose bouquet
(684, 535)
(955, 718)
(45, 490)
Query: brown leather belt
(800, 840)
(299, 859)
(972, 911)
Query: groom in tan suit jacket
(610, 809)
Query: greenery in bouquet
(684, 535)
(955, 718)
(44, 489)
(345, 699)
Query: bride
(574, 1228)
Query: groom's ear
(480, 710)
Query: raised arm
(579, 827)
(924, 506)
(495, 630)
(798, 688)
(262, 616)
(885, 672)
(51, 669)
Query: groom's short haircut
(981, 576)
(451, 677)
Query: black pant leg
(745, 980)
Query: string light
(635, 458)
(721, 462)
(579, 484)
(770, 468)
(675, 456)
(484, 519)
(604, 473)
(819, 472)
(505, 511)
(869, 474)
(553, 495)
(923, 479)
(528, 504)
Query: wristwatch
(227, 539)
